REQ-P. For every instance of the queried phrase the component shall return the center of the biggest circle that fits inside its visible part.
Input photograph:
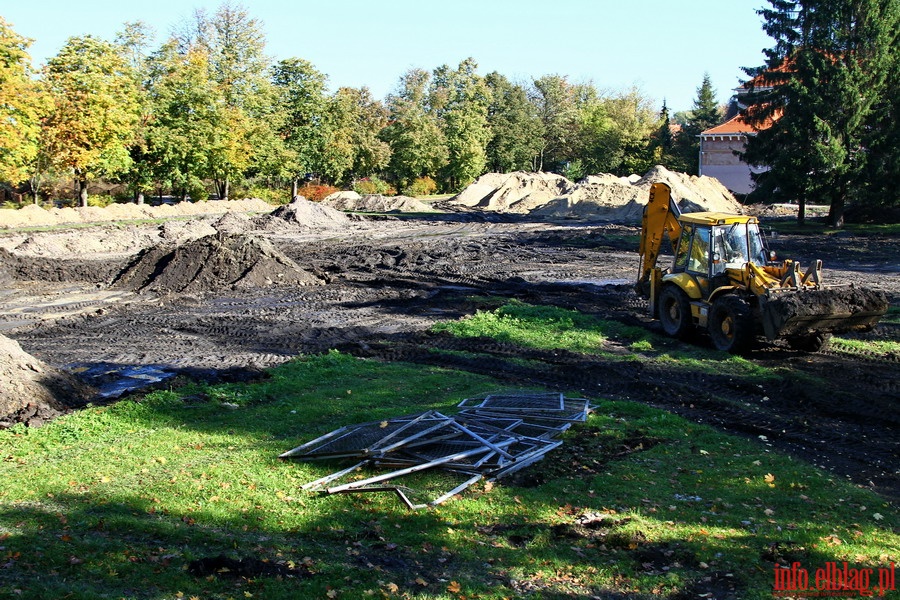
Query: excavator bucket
(828, 310)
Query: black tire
(675, 312)
(731, 324)
(810, 342)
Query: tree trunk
(222, 188)
(295, 185)
(836, 211)
(139, 198)
(82, 191)
(801, 211)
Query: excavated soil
(214, 304)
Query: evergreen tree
(818, 98)
(704, 115)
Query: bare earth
(373, 287)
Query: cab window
(698, 262)
(684, 243)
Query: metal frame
(491, 437)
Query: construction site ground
(374, 286)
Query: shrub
(101, 200)
(421, 186)
(316, 193)
(373, 185)
(271, 195)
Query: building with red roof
(719, 144)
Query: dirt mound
(611, 201)
(31, 391)
(603, 197)
(308, 214)
(181, 232)
(234, 223)
(96, 242)
(517, 192)
(35, 216)
(351, 201)
(213, 263)
(692, 193)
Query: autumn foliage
(316, 192)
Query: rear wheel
(810, 342)
(731, 324)
(675, 312)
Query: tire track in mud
(386, 287)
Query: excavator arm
(660, 218)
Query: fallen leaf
(454, 587)
(331, 593)
(769, 478)
(421, 581)
(877, 516)
(392, 587)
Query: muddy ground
(374, 287)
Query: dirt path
(379, 285)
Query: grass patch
(879, 348)
(552, 328)
(541, 327)
(117, 501)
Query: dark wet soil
(382, 284)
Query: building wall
(717, 159)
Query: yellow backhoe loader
(724, 280)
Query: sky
(664, 48)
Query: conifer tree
(818, 98)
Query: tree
(418, 146)
(301, 97)
(21, 107)
(235, 46)
(460, 99)
(818, 98)
(704, 115)
(186, 115)
(514, 126)
(133, 42)
(95, 110)
(556, 102)
(615, 133)
(362, 118)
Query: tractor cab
(713, 245)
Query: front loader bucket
(831, 310)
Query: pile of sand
(602, 197)
(306, 214)
(517, 192)
(33, 392)
(213, 263)
(353, 202)
(96, 243)
(35, 216)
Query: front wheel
(731, 324)
(675, 312)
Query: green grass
(116, 501)
(551, 328)
(817, 226)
